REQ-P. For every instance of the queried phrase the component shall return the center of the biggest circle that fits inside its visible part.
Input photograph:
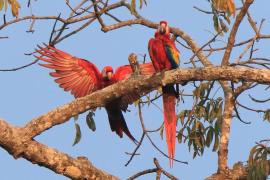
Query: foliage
(90, 123)
(266, 116)
(90, 120)
(78, 134)
(258, 162)
(15, 6)
(134, 4)
(222, 10)
(224, 6)
(201, 124)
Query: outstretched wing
(73, 74)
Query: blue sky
(31, 92)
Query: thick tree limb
(37, 153)
(225, 129)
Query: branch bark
(37, 153)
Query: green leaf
(90, 121)
(198, 141)
(180, 136)
(141, 4)
(212, 114)
(1, 4)
(188, 134)
(195, 154)
(148, 100)
(197, 92)
(161, 131)
(251, 155)
(136, 103)
(189, 143)
(216, 144)
(181, 116)
(78, 134)
(266, 116)
(217, 127)
(258, 154)
(209, 136)
(133, 6)
(145, 2)
(216, 24)
(219, 110)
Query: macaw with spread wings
(82, 77)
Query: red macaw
(165, 56)
(82, 77)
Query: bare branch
(19, 68)
(231, 39)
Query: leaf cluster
(222, 11)
(15, 6)
(258, 162)
(134, 5)
(201, 124)
(90, 123)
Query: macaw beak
(109, 75)
(162, 29)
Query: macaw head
(163, 28)
(107, 73)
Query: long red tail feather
(169, 101)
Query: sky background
(31, 92)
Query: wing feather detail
(73, 74)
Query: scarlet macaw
(82, 77)
(165, 56)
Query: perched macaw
(165, 56)
(82, 77)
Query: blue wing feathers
(173, 58)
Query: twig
(21, 67)
(231, 39)
(53, 30)
(158, 170)
(149, 138)
(136, 149)
(148, 171)
(257, 100)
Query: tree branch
(231, 39)
(141, 84)
(37, 153)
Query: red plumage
(165, 56)
(82, 77)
